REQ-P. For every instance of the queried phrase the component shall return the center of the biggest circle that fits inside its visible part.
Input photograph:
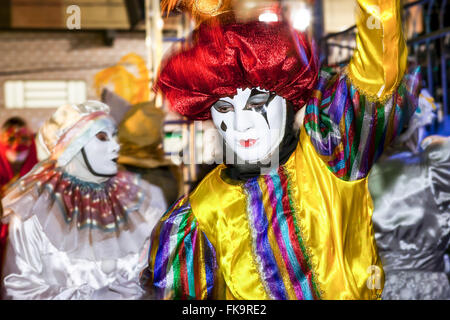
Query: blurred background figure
(140, 137)
(411, 195)
(17, 151)
(141, 123)
(17, 157)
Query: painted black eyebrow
(256, 92)
(262, 111)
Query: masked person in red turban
(289, 217)
(17, 157)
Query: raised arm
(379, 61)
(353, 116)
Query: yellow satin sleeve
(380, 58)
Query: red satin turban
(222, 59)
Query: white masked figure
(79, 228)
(252, 123)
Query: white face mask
(101, 152)
(252, 123)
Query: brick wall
(58, 56)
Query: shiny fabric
(411, 195)
(76, 236)
(276, 58)
(333, 234)
(348, 130)
(416, 285)
(7, 178)
(224, 58)
(70, 128)
(141, 136)
(377, 67)
(179, 273)
(361, 115)
(423, 116)
(85, 219)
(283, 263)
(48, 257)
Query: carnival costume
(73, 234)
(24, 142)
(304, 229)
(16, 139)
(411, 195)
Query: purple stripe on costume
(348, 138)
(163, 253)
(270, 272)
(320, 146)
(324, 146)
(364, 163)
(336, 110)
(210, 266)
(279, 238)
(322, 83)
(381, 143)
(397, 114)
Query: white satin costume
(410, 188)
(72, 234)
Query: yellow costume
(303, 231)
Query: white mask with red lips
(252, 123)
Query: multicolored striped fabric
(278, 248)
(182, 261)
(350, 132)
